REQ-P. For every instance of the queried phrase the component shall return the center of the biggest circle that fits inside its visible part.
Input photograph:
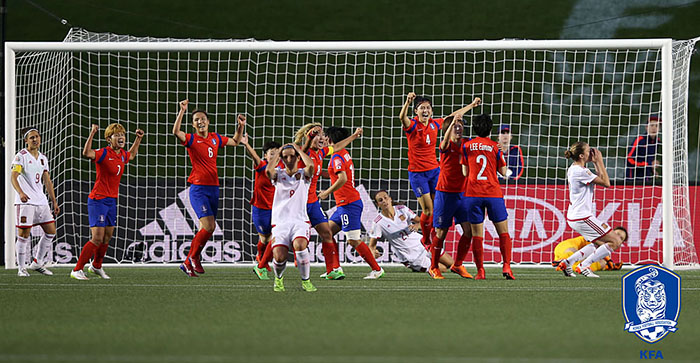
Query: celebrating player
(394, 224)
(566, 248)
(580, 215)
(29, 169)
(423, 170)
(481, 158)
(312, 136)
(263, 193)
(102, 201)
(449, 203)
(290, 223)
(347, 200)
(203, 147)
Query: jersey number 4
(427, 139)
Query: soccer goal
(551, 93)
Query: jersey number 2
(479, 160)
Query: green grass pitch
(228, 315)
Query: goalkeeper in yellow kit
(567, 247)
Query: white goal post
(540, 88)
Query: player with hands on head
(203, 148)
(110, 162)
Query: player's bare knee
(440, 233)
(24, 232)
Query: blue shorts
(424, 182)
(262, 220)
(476, 206)
(448, 206)
(349, 216)
(316, 215)
(102, 212)
(204, 200)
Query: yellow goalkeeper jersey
(567, 248)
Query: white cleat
(78, 275)
(566, 269)
(40, 269)
(99, 272)
(323, 275)
(373, 275)
(586, 272)
(22, 272)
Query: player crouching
(290, 222)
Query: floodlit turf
(160, 315)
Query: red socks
(462, 248)
(366, 253)
(100, 255)
(478, 251)
(336, 255)
(200, 239)
(266, 257)
(426, 227)
(85, 255)
(261, 250)
(436, 251)
(328, 250)
(506, 246)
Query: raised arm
(602, 179)
(135, 146)
(342, 178)
(475, 103)
(403, 115)
(236, 139)
(309, 137)
(253, 155)
(52, 193)
(342, 144)
(447, 134)
(271, 169)
(309, 168)
(181, 135)
(88, 152)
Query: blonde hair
(114, 128)
(301, 133)
(576, 150)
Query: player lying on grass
(110, 162)
(397, 224)
(580, 215)
(566, 248)
(30, 171)
(290, 223)
(203, 148)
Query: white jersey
(405, 244)
(291, 194)
(31, 177)
(580, 192)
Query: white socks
(279, 267)
(21, 252)
(579, 255)
(45, 244)
(601, 252)
(304, 262)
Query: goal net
(549, 93)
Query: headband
(28, 131)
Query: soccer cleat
(261, 273)
(555, 264)
(336, 274)
(585, 271)
(435, 273)
(196, 264)
(373, 275)
(279, 284)
(323, 275)
(307, 286)
(566, 269)
(78, 275)
(461, 271)
(186, 267)
(22, 272)
(507, 273)
(40, 269)
(480, 274)
(99, 272)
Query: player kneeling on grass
(290, 222)
(29, 168)
(580, 215)
(566, 248)
(399, 226)
(102, 201)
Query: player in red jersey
(102, 201)
(203, 147)
(423, 169)
(349, 205)
(482, 158)
(261, 203)
(314, 142)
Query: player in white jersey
(29, 169)
(580, 215)
(399, 226)
(290, 222)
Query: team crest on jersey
(402, 217)
(122, 158)
(651, 301)
(23, 219)
(213, 141)
(432, 126)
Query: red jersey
(341, 161)
(203, 152)
(422, 140)
(263, 190)
(110, 168)
(317, 157)
(451, 179)
(483, 157)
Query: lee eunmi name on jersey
(480, 146)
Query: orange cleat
(507, 273)
(461, 271)
(480, 274)
(436, 274)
